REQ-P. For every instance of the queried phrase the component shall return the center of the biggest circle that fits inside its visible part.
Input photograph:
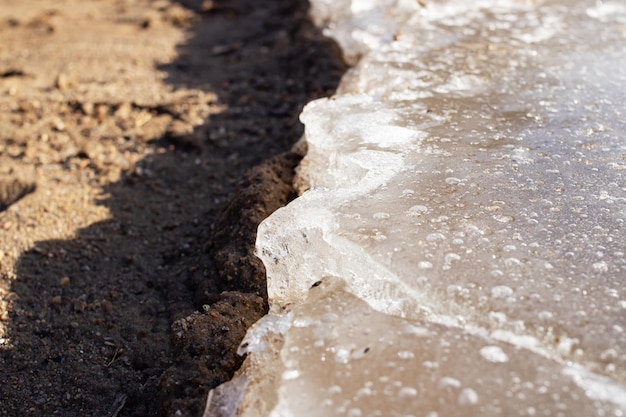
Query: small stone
(58, 124)
(123, 111)
(79, 305)
(63, 81)
(179, 128)
(64, 282)
(107, 306)
(87, 108)
(102, 111)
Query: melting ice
(459, 244)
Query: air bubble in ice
(503, 218)
(424, 265)
(511, 262)
(330, 318)
(407, 392)
(497, 273)
(406, 354)
(435, 237)
(501, 291)
(417, 210)
(457, 291)
(609, 354)
(545, 315)
(334, 389)
(342, 356)
(453, 181)
(291, 374)
(411, 329)
(303, 322)
(497, 318)
(601, 266)
(447, 383)
(524, 341)
(468, 397)
(354, 412)
(364, 392)
(494, 354)
(451, 257)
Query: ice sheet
(458, 248)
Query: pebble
(63, 81)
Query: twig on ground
(118, 404)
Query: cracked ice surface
(458, 248)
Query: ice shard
(459, 244)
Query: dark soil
(132, 180)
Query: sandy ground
(127, 205)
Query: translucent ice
(458, 247)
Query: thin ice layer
(342, 357)
(469, 180)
